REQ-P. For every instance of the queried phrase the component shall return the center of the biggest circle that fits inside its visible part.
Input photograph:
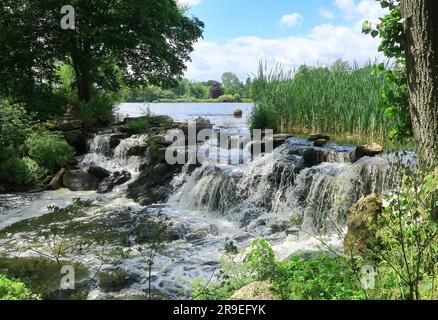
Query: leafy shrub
(101, 107)
(139, 126)
(23, 172)
(49, 150)
(227, 98)
(14, 290)
(15, 124)
(26, 151)
(320, 277)
(263, 118)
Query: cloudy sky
(240, 33)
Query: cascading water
(101, 153)
(268, 190)
(210, 205)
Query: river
(210, 206)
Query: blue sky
(240, 33)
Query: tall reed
(339, 99)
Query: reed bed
(339, 100)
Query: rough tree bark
(421, 29)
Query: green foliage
(101, 106)
(232, 84)
(394, 93)
(49, 150)
(262, 117)
(187, 91)
(408, 232)
(318, 277)
(227, 98)
(153, 49)
(27, 152)
(341, 99)
(258, 264)
(14, 290)
(140, 126)
(20, 171)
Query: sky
(240, 33)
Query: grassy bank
(340, 99)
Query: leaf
(374, 33)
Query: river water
(270, 198)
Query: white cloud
(326, 13)
(322, 45)
(360, 10)
(187, 3)
(291, 20)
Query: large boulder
(256, 291)
(318, 136)
(153, 184)
(99, 172)
(138, 150)
(115, 179)
(362, 224)
(320, 143)
(79, 180)
(367, 150)
(313, 157)
(77, 139)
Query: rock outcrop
(80, 180)
(362, 224)
(367, 150)
(256, 291)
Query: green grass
(320, 99)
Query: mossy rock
(362, 224)
(256, 291)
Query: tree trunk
(421, 29)
(83, 77)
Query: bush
(101, 107)
(318, 277)
(49, 150)
(263, 118)
(14, 290)
(26, 151)
(22, 172)
(15, 124)
(139, 126)
(227, 98)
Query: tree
(137, 41)
(421, 29)
(232, 84)
(216, 90)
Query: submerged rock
(256, 291)
(79, 180)
(238, 112)
(362, 224)
(115, 179)
(153, 184)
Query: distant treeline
(230, 89)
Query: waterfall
(280, 188)
(114, 159)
